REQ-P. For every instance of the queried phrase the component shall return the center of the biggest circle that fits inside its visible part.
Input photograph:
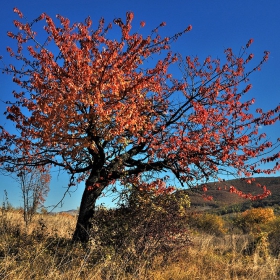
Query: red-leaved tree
(109, 110)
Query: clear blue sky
(217, 24)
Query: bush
(254, 220)
(274, 236)
(208, 223)
(145, 226)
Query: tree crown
(88, 103)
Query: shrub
(208, 223)
(274, 236)
(146, 225)
(254, 220)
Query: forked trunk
(87, 207)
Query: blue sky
(217, 24)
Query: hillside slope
(223, 199)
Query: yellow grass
(44, 251)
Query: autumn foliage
(110, 110)
(252, 219)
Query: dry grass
(44, 251)
(222, 258)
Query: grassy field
(211, 251)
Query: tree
(34, 185)
(109, 110)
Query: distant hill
(224, 200)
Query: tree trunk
(87, 207)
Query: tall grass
(44, 251)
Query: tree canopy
(111, 110)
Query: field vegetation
(147, 238)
